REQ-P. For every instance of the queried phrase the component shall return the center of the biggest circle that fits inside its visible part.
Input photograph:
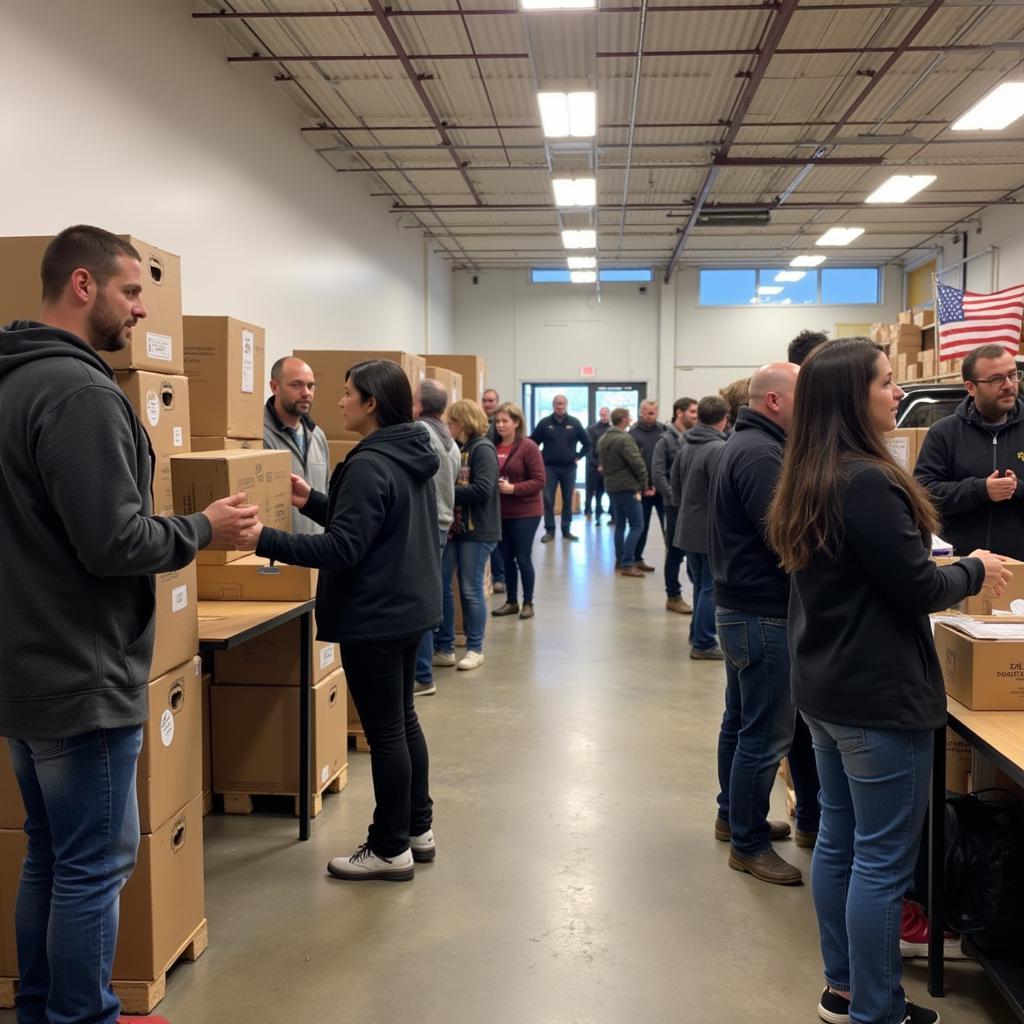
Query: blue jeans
(627, 510)
(757, 729)
(82, 821)
(470, 558)
(498, 564)
(425, 651)
(517, 550)
(702, 622)
(673, 556)
(564, 477)
(874, 795)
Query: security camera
(476, 279)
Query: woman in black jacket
(378, 591)
(473, 535)
(855, 529)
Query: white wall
(124, 113)
(547, 332)
(1002, 227)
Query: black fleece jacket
(859, 635)
(562, 441)
(379, 573)
(958, 453)
(746, 570)
(477, 499)
(80, 542)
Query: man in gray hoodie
(429, 403)
(80, 548)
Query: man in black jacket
(595, 477)
(751, 598)
(969, 461)
(646, 432)
(80, 547)
(563, 442)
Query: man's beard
(292, 408)
(106, 329)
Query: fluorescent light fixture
(770, 289)
(586, 239)
(808, 261)
(1001, 107)
(583, 276)
(575, 191)
(557, 5)
(899, 188)
(790, 275)
(566, 115)
(582, 262)
(839, 236)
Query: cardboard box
(226, 444)
(273, 660)
(207, 681)
(958, 763)
(177, 620)
(224, 362)
(12, 808)
(170, 769)
(926, 360)
(905, 339)
(879, 334)
(13, 844)
(338, 451)
(473, 370)
(448, 379)
(905, 316)
(252, 578)
(924, 317)
(256, 736)
(984, 675)
(203, 477)
(575, 501)
(155, 342)
(913, 371)
(986, 603)
(162, 405)
(330, 367)
(162, 903)
(905, 444)
(899, 365)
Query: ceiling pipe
(641, 31)
(679, 207)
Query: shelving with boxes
(912, 347)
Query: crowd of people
(808, 548)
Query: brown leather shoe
(678, 605)
(644, 567)
(805, 840)
(631, 570)
(768, 867)
(779, 830)
(506, 609)
(527, 612)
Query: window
(785, 286)
(541, 275)
(611, 275)
(643, 275)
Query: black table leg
(937, 866)
(305, 754)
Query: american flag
(969, 319)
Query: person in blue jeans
(475, 531)
(80, 547)
(854, 530)
(690, 479)
(625, 474)
(564, 442)
(759, 725)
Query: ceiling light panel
(585, 239)
(840, 236)
(999, 109)
(582, 262)
(790, 275)
(557, 5)
(808, 261)
(583, 276)
(770, 289)
(575, 191)
(568, 115)
(900, 187)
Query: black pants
(673, 556)
(517, 551)
(650, 504)
(380, 676)
(595, 489)
(564, 477)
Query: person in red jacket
(521, 479)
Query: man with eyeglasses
(970, 460)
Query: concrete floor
(577, 880)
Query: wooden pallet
(136, 996)
(242, 803)
(357, 741)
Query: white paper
(324, 775)
(159, 346)
(326, 657)
(179, 598)
(152, 408)
(167, 727)
(988, 630)
(179, 437)
(248, 362)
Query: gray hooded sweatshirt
(451, 461)
(80, 542)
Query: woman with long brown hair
(854, 529)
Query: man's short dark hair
(981, 352)
(712, 409)
(85, 247)
(803, 344)
(386, 381)
(619, 416)
(433, 398)
(681, 405)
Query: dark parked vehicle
(925, 404)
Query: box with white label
(170, 769)
(177, 619)
(161, 402)
(272, 659)
(224, 363)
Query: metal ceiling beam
(753, 161)
(452, 126)
(776, 29)
(349, 58)
(683, 206)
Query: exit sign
(588, 371)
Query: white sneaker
(443, 659)
(470, 660)
(422, 846)
(365, 865)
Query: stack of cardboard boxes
(912, 345)
(472, 372)
(905, 445)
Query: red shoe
(143, 1020)
(914, 935)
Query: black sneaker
(833, 1008)
(920, 1015)
(547, 538)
